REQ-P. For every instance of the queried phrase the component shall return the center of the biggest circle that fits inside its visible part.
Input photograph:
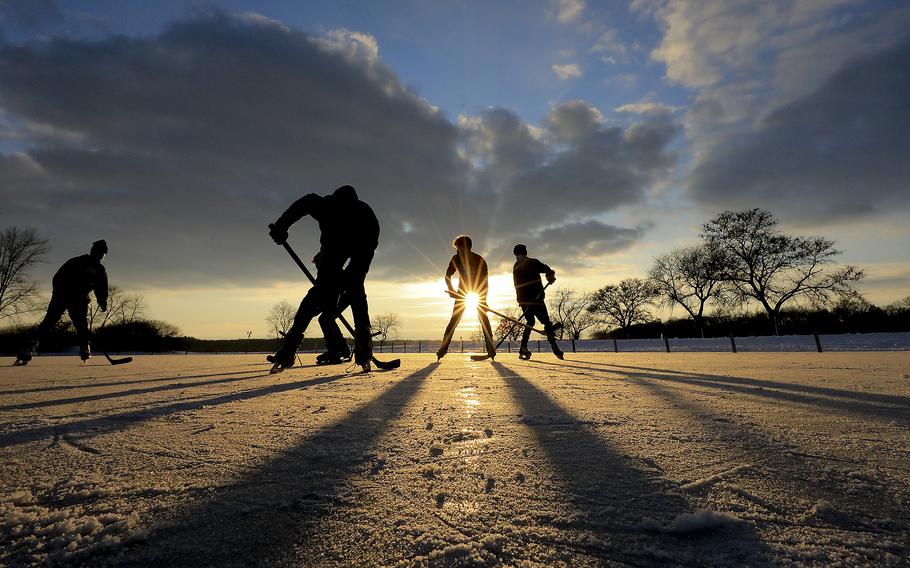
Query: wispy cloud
(567, 71)
(569, 10)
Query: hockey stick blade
(387, 365)
(121, 361)
(480, 357)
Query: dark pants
(538, 311)
(323, 300)
(355, 295)
(78, 312)
(457, 312)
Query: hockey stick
(384, 365)
(111, 360)
(487, 308)
(524, 312)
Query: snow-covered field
(605, 459)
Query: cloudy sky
(600, 134)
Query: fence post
(509, 346)
(732, 343)
(615, 346)
(573, 345)
(667, 343)
(462, 345)
(418, 345)
(538, 346)
(818, 342)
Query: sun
(471, 301)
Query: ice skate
(333, 358)
(25, 356)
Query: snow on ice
(646, 459)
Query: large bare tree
(690, 277)
(20, 250)
(121, 309)
(766, 265)
(625, 304)
(570, 308)
(385, 324)
(281, 318)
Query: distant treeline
(140, 335)
(843, 319)
(193, 345)
(144, 336)
(152, 336)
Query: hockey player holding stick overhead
(349, 234)
(72, 284)
(472, 273)
(530, 293)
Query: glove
(551, 277)
(103, 306)
(278, 234)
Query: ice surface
(647, 459)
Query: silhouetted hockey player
(471, 269)
(72, 284)
(529, 290)
(349, 233)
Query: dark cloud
(586, 240)
(575, 167)
(180, 148)
(29, 15)
(839, 152)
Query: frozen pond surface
(642, 459)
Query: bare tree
(625, 304)
(508, 330)
(690, 277)
(898, 307)
(20, 250)
(766, 265)
(121, 309)
(281, 318)
(570, 308)
(385, 324)
(164, 329)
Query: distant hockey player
(471, 269)
(529, 290)
(72, 284)
(349, 234)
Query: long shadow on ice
(92, 385)
(870, 405)
(629, 510)
(130, 392)
(860, 396)
(782, 481)
(270, 516)
(119, 421)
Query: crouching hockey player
(349, 234)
